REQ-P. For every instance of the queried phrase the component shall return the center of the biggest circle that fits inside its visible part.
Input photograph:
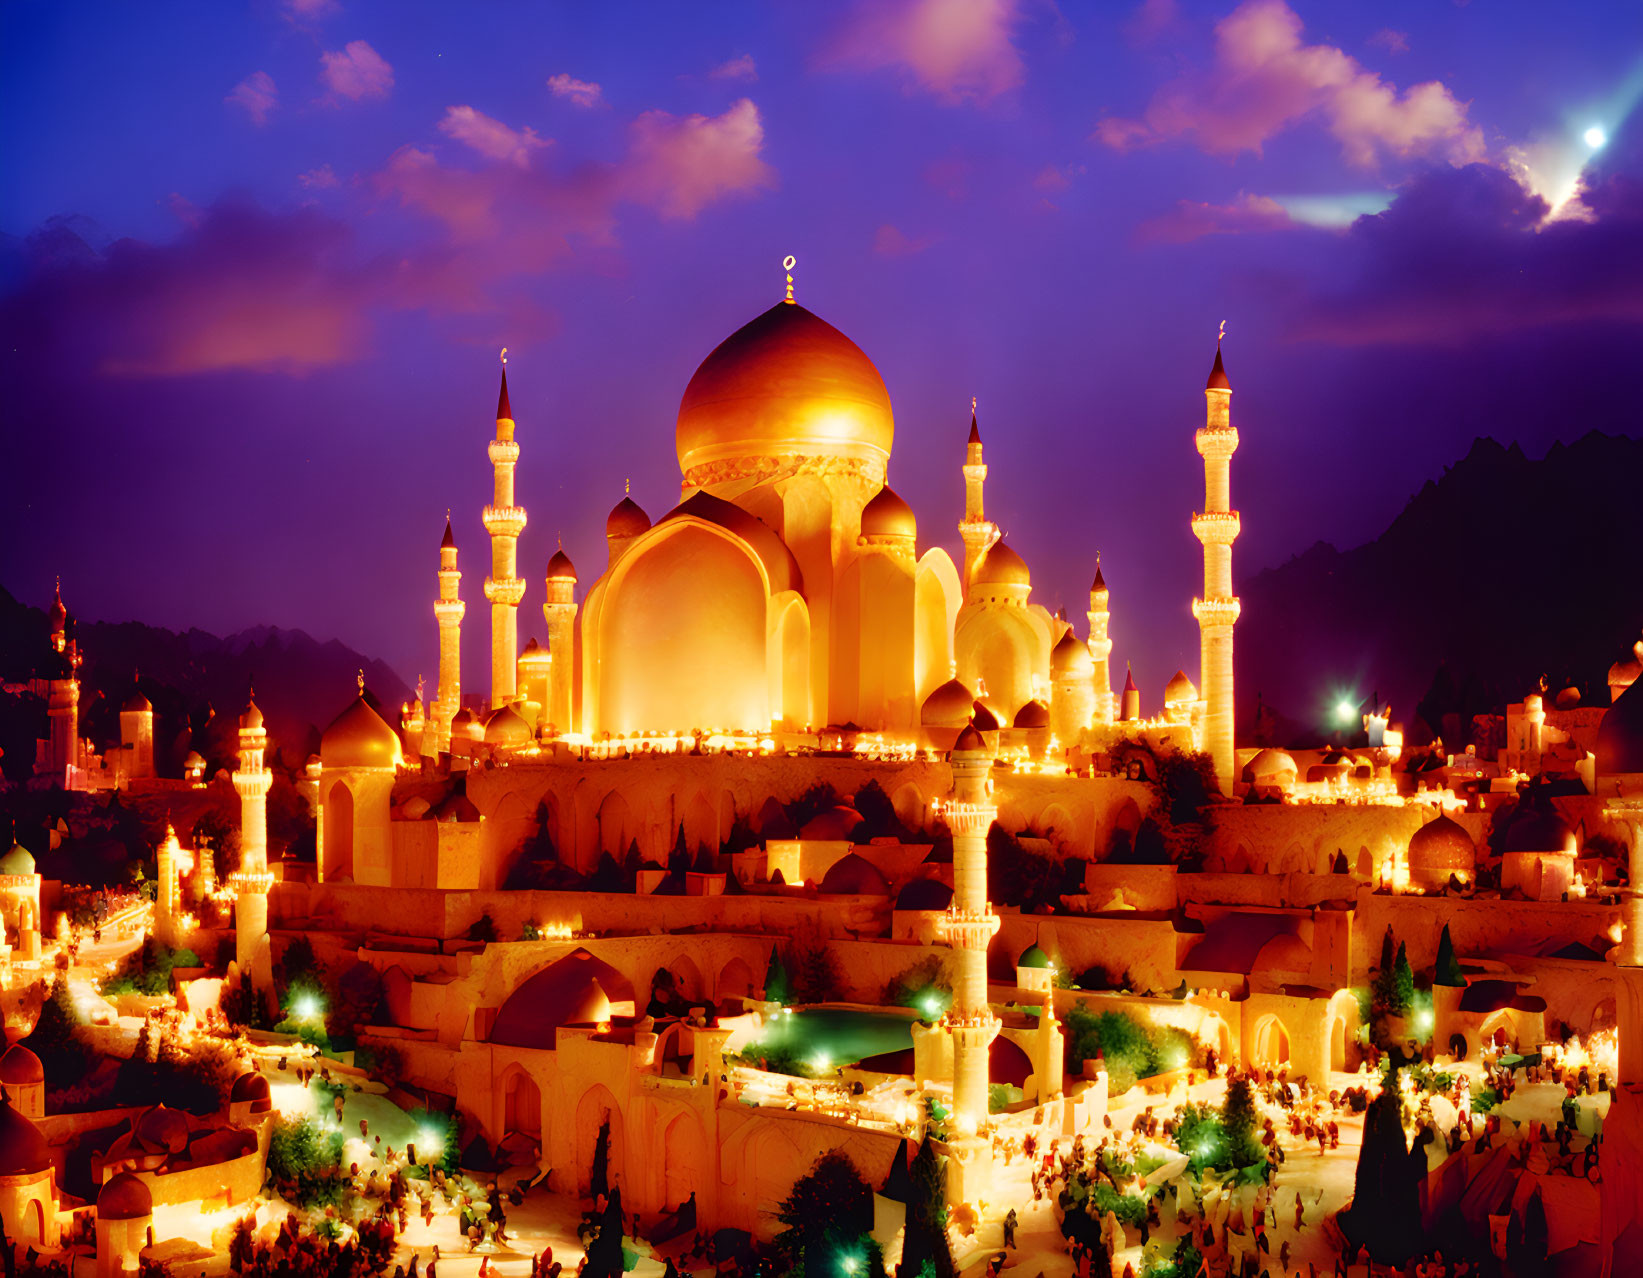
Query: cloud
(357, 72)
(892, 241)
(306, 12)
(678, 165)
(1265, 81)
(256, 95)
(1390, 40)
(320, 179)
(957, 50)
(582, 93)
(1152, 20)
(240, 288)
(1191, 220)
(741, 67)
(490, 138)
(1468, 253)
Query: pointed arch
(337, 813)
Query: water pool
(840, 1035)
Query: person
(1009, 1229)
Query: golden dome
(949, 706)
(887, 515)
(124, 1197)
(506, 729)
(358, 738)
(19, 1067)
(787, 384)
(1440, 848)
(627, 519)
(1001, 566)
(23, 1150)
(560, 567)
(1071, 658)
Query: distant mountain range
(1506, 569)
(301, 683)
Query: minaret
(1100, 645)
(252, 881)
(978, 532)
(59, 619)
(448, 612)
(969, 926)
(63, 699)
(560, 614)
(1217, 612)
(166, 922)
(504, 521)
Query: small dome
(1441, 848)
(970, 741)
(249, 1087)
(835, 825)
(251, 720)
(18, 861)
(23, 1150)
(506, 729)
(1180, 688)
(1568, 698)
(358, 738)
(1071, 657)
(1269, 766)
(163, 1128)
(1001, 566)
(560, 567)
(949, 706)
(983, 717)
(925, 894)
(1620, 735)
(887, 515)
(1035, 714)
(854, 875)
(626, 519)
(19, 1067)
(1537, 828)
(136, 703)
(1032, 956)
(124, 1197)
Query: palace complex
(798, 838)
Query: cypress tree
(1447, 969)
(605, 1251)
(1403, 983)
(926, 1237)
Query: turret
(504, 521)
(969, 926)
(1216, 526)
(1100, 645)
(252, 881)
(137, 732)
(977, 531)
(560, 613)
(448, 611)
(1129, 708)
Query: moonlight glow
(1595, 137)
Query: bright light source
(306, 1007)
(821, 1060)
(1423, 1020)
(932, 1006)
(1345, 710)
(1595, 137)
(430, 1142)
(851, 1265)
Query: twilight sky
(257, 260)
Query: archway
(596, 1108)
(1337, 1044)
(1271, 1042)
(789, 668)
(684, 1161)
(1498, 1030)
(616, 825)
(34, 1223)
(522, 1106)
(1217, 1035)
(338, 813)
(700, 825)
(735, 981)
(1458, 1047)
(1604, 1016)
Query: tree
(1239, 1118)
(56, 1037)
(777, 987)
(1403, 983)
(817, 977)
(1385, 1212)
(1447, 969)
(827, 1216)
(925, 1243)
(605, 1248)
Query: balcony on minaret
(504, 521)
(1216, 527)
(503, 452)
(1216, 612)
(508, 592)
(1217, 443)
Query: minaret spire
(1217, 527)
(448, 612)
(1100, 644)
(978, 532)
(504, 521)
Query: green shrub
(1000, 1096)
(304, 1163)
(1484, 1099)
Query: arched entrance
(596, 1108)
(1271, 1042)
(339, 834)
(522, 1106)
(616, 826)
(1337, 1044)
(735, 981)
(684, 1160)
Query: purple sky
(259, 259)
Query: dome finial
(627, 486)
(360, 678)
(788, 263)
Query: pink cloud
(1191, 220)
(582, 93)
(1390, 40)
(490, 138)
(892, 241)
(357, 72)
(958, 50)
(320, 179)
(1152, 20)
(1265, 81)
(310, 11)
(256, 95)
(680, 164)
(741, 67)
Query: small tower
(167, 926)
(137, 732)
(1100, 645)
(627, 522)
(560, 613)
(969, 926)
(448, 610)
(63, 696)
(1130, 705)
(58, 617)
(504, 521)
(978, 532)
(251, 883)
(1216, 526)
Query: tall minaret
(167, 925)
(63, 699)
(504, 587)
(1100, 645)
(252, 881)
(448, 610)
(1217, 612)
(969, 926)
(978, 532)
(560, 614)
